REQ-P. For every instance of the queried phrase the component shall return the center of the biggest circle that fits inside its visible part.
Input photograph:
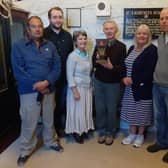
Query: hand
(40, 86)
(127, 81)
(44, 91)
(108, 65)
(97, 56)
(76, 93)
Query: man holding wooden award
(108, 59)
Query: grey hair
(116, 26)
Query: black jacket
(142, 73)
(64, 44)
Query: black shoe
(101, 139)
(57, 148)
(85, 136)
(155, 148)
(61, 133)
(78, 138)
(165, 158)
(109, 140)
(22, 160)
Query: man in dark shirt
(107, 78)
(64, 44)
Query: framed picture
(73, 17)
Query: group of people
(57, 81)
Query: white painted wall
(90, 23)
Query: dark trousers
(60, 110)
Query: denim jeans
(107, 96)
(160, 105)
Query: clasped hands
(41, 86)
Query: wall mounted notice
(133, 17)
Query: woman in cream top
(79, 95)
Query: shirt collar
(60, 32)
(81, 54)
(111, 42)
(30, 41)
(166, 38)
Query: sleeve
(120, 68)
(71, 44)
(94, 57)
(144, 72)
(71, 65)
(18, 65)
(56, 67)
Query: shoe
(129, 139)
(22, 160)
(165, 158)
(101, 139)
(155, 148)
(78, 138)
(61, 133)
(109, 140)
(139, 140)
(57, 148)
(85, 136)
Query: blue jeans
(107, 96)
(160, 105)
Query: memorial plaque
(133, 17)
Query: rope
(6, 6)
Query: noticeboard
(133, 17)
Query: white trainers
(129, 139)
(138, 141)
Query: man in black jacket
(64, 44)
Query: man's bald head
(164, 20)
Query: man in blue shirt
(36, 67)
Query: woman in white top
(79, 95)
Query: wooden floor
(88, 155)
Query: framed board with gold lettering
(133, 17)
